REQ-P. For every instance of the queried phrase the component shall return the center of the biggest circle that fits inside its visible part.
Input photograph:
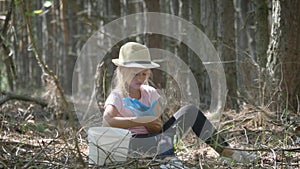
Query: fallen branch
(11, 96)
(297, 149)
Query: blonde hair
(122, 75)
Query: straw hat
(133, 54)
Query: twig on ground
(11, 96)
(38, 154)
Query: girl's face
(138, 78)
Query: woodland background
(257, 40)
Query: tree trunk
(155, 41)
(247, 67)
(284, 50)
(262, 42)
(262, 31)
(105, 69)
(68, 62)
(7, 56)
(226, 49)
(196, 64)
(208, 22)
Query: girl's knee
(188, 110)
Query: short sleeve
(115, 99)
(149, 94)
(154, 95)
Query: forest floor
(30, 139)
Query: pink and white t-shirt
(148, 95)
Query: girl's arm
(153, 124)
(156, 125)
(110, 118)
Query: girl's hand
(154, 126)
(138, 108)
(110, 118)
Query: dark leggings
(191, 116)
(177, 125)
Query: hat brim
(149, 65)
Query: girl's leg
(160, 144)
(179, 123)
(191, 116)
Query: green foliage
(29, 13)
(40, 127)
(17, 2)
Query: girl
(132, 105)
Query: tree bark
(155, 41)
(68, 62)
(195, 63)
(105, 69)
(7, 55)
(209, 27)
(262, 31)
(284, 52)
(248, 69)
(226, 49)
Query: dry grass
(29, 139)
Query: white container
(108, 145)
